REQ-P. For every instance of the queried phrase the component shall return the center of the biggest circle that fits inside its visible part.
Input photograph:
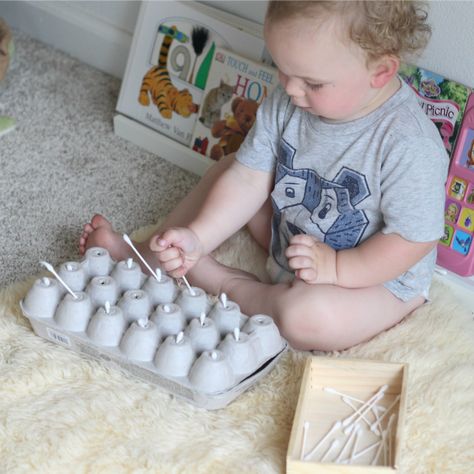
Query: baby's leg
(100, 233)
(310, 317)
(328, 317)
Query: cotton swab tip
(223, 298)
(143, 323)
(202, 318)
(127, 239)
(48, 266)
(179, 337)
(51, 269)
(237, 334)
(138, 254)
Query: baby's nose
(294, 88)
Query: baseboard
(65, 26)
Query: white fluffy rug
(63, 413)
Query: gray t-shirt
(344, 182)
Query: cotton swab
(202, 318)
(347, 443)
(354, 446)
(349, 403)
(379, 449)
(223, 300)
(51, 269)
(305, 435)
(386, 412)
(191, 291)
(334, 444)
(143, 323)
(334, 427)
(130, 243)
(237, 334)
(350, 397)
(158, 278)
(361, 413)
(361, 453)
(158, 274)
(350, 420)
(389, 434)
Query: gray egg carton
(196, 347)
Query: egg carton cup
(195, 346)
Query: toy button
(466, 219)
(448, 235)
(470, 196)
(462, 242)
(452, 211)
(457, 189)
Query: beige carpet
(62, 413)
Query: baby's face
(321, 73)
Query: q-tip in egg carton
(196, 347)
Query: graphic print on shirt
(306, 203)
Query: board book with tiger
(235, 89)
(169, 63)
(443, 100)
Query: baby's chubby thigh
(307, 316)
(330, 317)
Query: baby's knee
(307, 324)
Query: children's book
(235, 89)
(169, 61)
(442, 99)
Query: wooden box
(320, 411)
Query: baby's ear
(383, 70)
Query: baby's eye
(314, 87)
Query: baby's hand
(312, 260)
(178, 249)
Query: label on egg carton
(163, 337)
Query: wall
(100, 33)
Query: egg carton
(199, 348)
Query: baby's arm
(236, 196)
(380, 258)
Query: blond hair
(395, 27)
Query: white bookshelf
(161, 145)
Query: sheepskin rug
(65, 413)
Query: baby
(341, 180)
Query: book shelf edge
(160, 145)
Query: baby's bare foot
(100, 233)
